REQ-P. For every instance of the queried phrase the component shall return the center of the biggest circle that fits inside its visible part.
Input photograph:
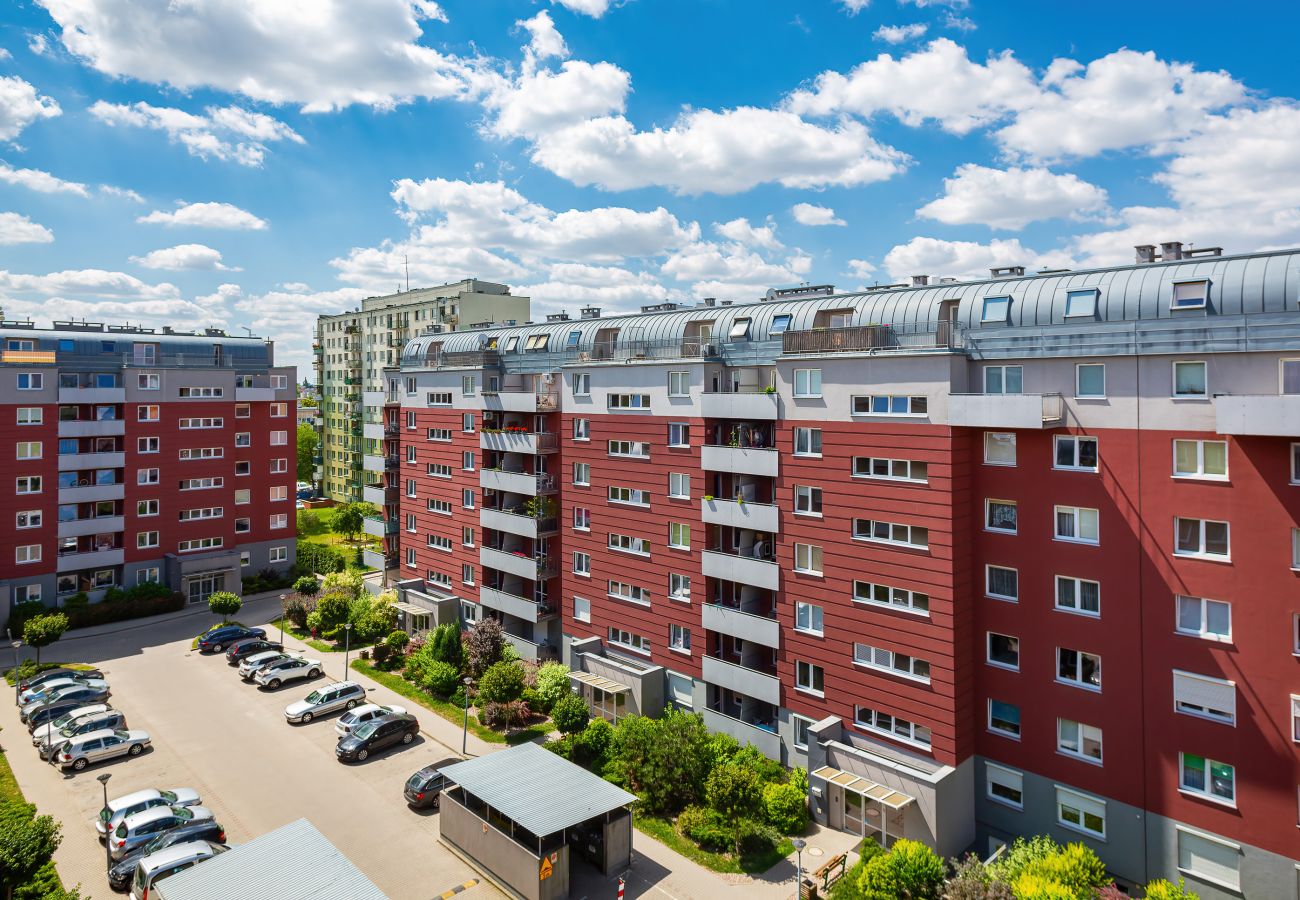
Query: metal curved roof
(1257, 283)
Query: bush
(440, 679)
(296, 610)
(21, 612)
(505, 715)
(458, 698)
(88, 614)
(397, 641)
(570, 714)
(909, 870)
(372, 619)
(503, 682)
(707, 828)
(1167, 890)
(785, 808)
(591, 746)
(552, 684)
(320, 558)
(114, 595)
(307, 585)
(561, 747)
(446, 645)
(483, 647)
(78, 600)
(1075, 869)
(224, 604)
(754, 837)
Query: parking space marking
(465, 886)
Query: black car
(423, 789)
(119, 877)
(51, 711)
(223, 636)
(51, 674)
(394, 728)
(240, 650)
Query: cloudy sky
(251, 163)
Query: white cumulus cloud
(593, 8)
(965, 259)
(224, 133)
(183, 256)
(544, 39)
(1012, 198)
(206, 215)
(21, 105)
(813, 215)
(39, 181)
(742, 232)
(898, 34)
(16, 228)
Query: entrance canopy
(412, 610)
(596, 681)
(867, 788)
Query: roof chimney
(1146, 253)
(591, 312)
(1008, 272)
(1170, 250)
(920, 280)
(710, 301)
(557, 317)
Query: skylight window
(739, 330)
(1190, 295)
(779, 324)
(1081, 303)
(996, 309)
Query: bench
(831, 872)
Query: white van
(168, 862)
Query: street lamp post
(108, 835)
(799, 844)
(464, 734)
(347, 647)
(18, 646)
(283, 599)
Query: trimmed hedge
(319, 558)
(117, 606)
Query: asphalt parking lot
(229, 741)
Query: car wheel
(273, 684)
(351, 704)
(78, 765)
(136, 750)
(407, 738)
(362, 754)
(216, 648)
(306, 717)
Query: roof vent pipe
(920, 280)
(1170, 250)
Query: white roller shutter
(1202, 695)
(1202, 856)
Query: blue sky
(257, 162)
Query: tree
(224, 604)
(445, 645)
(350, 518)
(552, 683)
(909, 871)
(785, 808)
(307, 585)
(27, 843)
(483, 647)
(43, 630)
(308, 441)
(570, 714)
(735, 791)
(665, 760)
(501, 683)
(1160, 889)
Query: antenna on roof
(246, 328)
(406, 261)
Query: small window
(807, 500)
(1078, 740)
(808, 618)
(1190, 295)
(537, 342)
(1004, 785)
(1000, 515)
(809, 678)
(1002, 583)
(1203, 618)
(1079, 669)
(807, 383)
(1080, 812)
(581, 384)
(571, 343)
(1004, 718)
(1211, 779)
(1290, 376)
(1078, 595)
(996, 309)
(511, 344)
(1077, 524)
(808, 442)
(1201, 459)
(1090, 381)
(581, 609)
(1205, 697)
(739, 330)
(999, 448)
(1081, 303)
(679, 384)
(1003, 650)
(1076, 453)
(1202, 538)
(1190, 380)
(1003, 379)
(779, 324)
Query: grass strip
(749, 864)
(305, 636)
(47, 877)
(80, 667)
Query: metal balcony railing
(942, 335)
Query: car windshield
(416, 781)
(184, 813)
(105, 814)
(313, 697)
(364, 731)
(121, 829)
(63, 720)
(121, 733)
(169, 796)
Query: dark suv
(240, 650)
(223, 636)
(365, 739)
(423, 789)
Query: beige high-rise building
(352, 349)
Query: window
(1081, 303)
(1189, 380)
(890, 469)
(467, 498)
(243, 439)
(211, 543)
(1202, 538)
(1003, 379)
(438, 542)
(1290, 376)
(1004, 718)
(581, 384)
(27, 553)
(679, 587)
(629, 641)
(808, 442)
(628, 401)
(891, 726)
(1295, 549)
(1205, 697)
(1201, 459)
(1078, 595)
(807, 500)
(630, 496)
(149, 476)
(146, 508)
(243, 467)
(150, 413)
(808, 618)
(243, 411)
(1215, 780)
(536, 342)
(200, 393)
(439, 434)
(679, 434)
(438, 398)
(779, 326)
(410, 417)
(801, 724)
(410, 487)
(1080, 812)
(889, 405)
(30, 415)
(621, 590)
(441, 507)
(808, 559)
(468, 386)
(243, 525)
(1002, 583)
(679, 384)
(582, 474)
(1076, 453)
(148, 575)
(1077, 739)
(996, 309)
(279, 520)
(628, 544)
(679, 485)
(1079, 669)
(1090, 381)
(1000, 515)
(213, 422)
(999, 448)
(1189, 295)
(204, 512)
(1295, 463)
(679, 535)
(411, 454)
(807, 383)
(278, 492)
(809, 678)
(581, 518)
(436, 470)
(279, 383)
(279, 438)
(1077, 525)
(1209, 858)
(581, 609)
(28, 519)
(1199, 617)
(188, 453)
(467, 460)
(1003, 650)
(1004, 786)
(892, 597)
(911, 536)
(582, 429)
(739, 330)
(279, 554)
(146, 539)
(30, 381)
(891, 661)
(679, 639)
(582, 564)
(279, 466)
(637, 449)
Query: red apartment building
(1011, 556)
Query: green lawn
(47, 878)
(320, 531)
(449, 711)
(314, 643)
(663, 831)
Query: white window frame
(675, 481)
(679, 384)
(807, 685)
(1084, 804)
(808, 559)
(581, 382)
(808, 501)
(679, 535)
(1203, 607)
(581, 564)
(807, 384)
(1205, 380)
(809, 618)
(582, 474)
(998, 302)
(892, 541)
(988, 583)
(581, 609)
(899, 599)
(1077, 680)
(881, 468)
(1078, 381)
(1000, 437)
(1014, 781)
(1199, 473)
(1174, 305)
(1076, 440)
(1077, 513)
(1077, 609)
(988, 516)
(679, 587)
(1200, 875)
(1201, 553)
(804, 441)
(988, 651)
(679, 434)
(1185, 686)
(1088, 297)
(1206, 793)
(1002, 371)
(890, 662)
(1084, 733)
(994, 729)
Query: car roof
(92, 735)
(265, 654)
(175, 853)
(90, 709)
(392, 717)
(335, 685)
(133, 798)
(160, 811)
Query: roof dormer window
(1081, 304)
(739, 330)
(996, 309)
(1190, 295)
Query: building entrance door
(200, 587)
(854, 819)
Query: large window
(1077, 668)
(891, 597)
(890, 725)
(1076, 453)
(1076, 739)
(1202, 538)
(1078, 595)
(891, 661)
(911, 536)
(1203, 618)
(1003, 379)
(807, 383)
(1000, 515)
(1205, 697)
(890, 469)
(1207, 777)
(999, 448)
(1077, 524)
(1201, 459)
(890, 405)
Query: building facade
(352, 349)
(993, 558)
(142, 456)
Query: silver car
(79, 712)
(362, 714)
(81, 694)
(292, 668)
(248, 668)
(322, 701)
(141, 828)
(112, 720)
(97, 746)
(46, 689)
(138, 801)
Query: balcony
(741, 569)
(513, 604)
(1273, 415)
(82, 527)
(92, 559)
(766, 742)
(27, 357)
(91, 427)
(373, 431)
(377, 526)
(918, 336)
(743, 625)
(749, 682)
(740, 460)
(72, 461)
(518, 441)
(756, 404)
(378, 494)
(759, 516)
(521, 401)
(515, 523)
(92, 395)
(91, 493)
(525, 566)
(516, 482)
(254, 394)
(377, 560)
(379, 464)
(1005, 410)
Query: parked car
(168, 862)
(77, 712)
(138, 801)
(51, 674)
(322, 701)
(365, 713)
(110, 720)
(53, 686)
(248, 668)
(223, 636)
(394, 728)
(119, 876)
(423, 789)
(98, 746)
(241, 650)
(80, 694)
(142, 827)
(51, 711)
(292, 668)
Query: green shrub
(785, 808)
(41, 631)
(446, 645)
(552, 684)
(1075, 868)
(21, 612)
(296, 610)
(503, 682)
(458, 698)
(754, 837)
(440, 679)
(591, 746)
(77, 601)
(307, 585)
(320, 558)
(570, 714)
(707, 828)
(397, 641)
(563, 746)
(513, 713)
(1167, 890)
(768, 770)
(910, 870)
(114, 595)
